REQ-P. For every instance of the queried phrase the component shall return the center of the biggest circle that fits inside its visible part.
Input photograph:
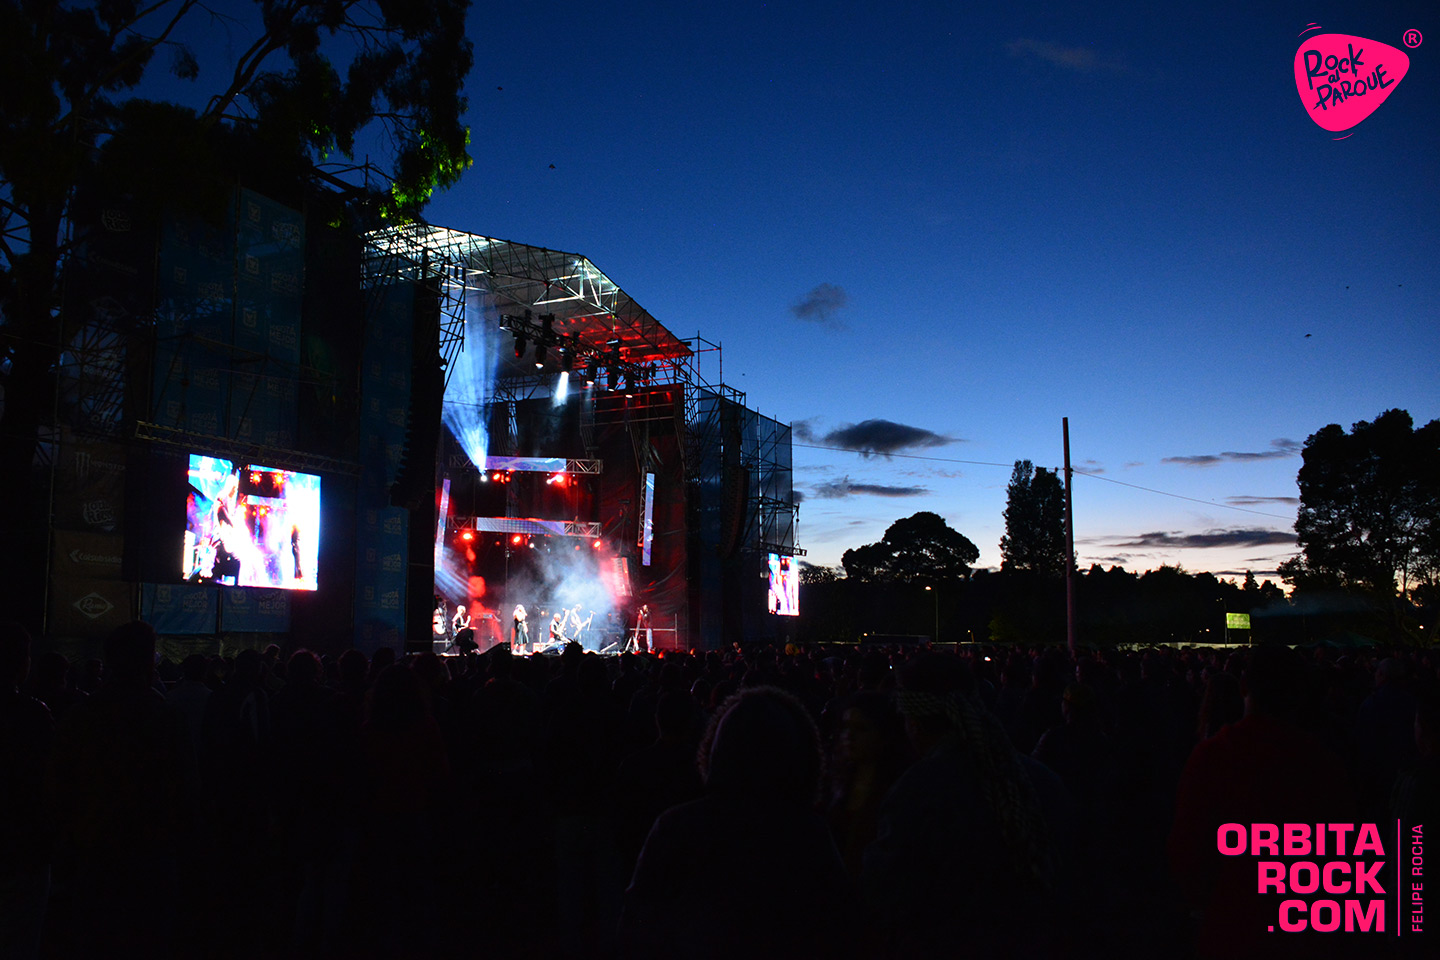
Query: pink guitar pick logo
(1342, 79)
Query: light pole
(936, 593)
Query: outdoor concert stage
(585, 468)
(279, 454)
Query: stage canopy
(585, 302)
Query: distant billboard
(1237, 621)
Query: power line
(1181, 496)
(1093, 476)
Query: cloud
(1211, 538)
(797, 496)
(1079, 59)
(1279, 449)
(803, 430)
(820, 306)
(837, 489)
(1262, 501)
(884, 437)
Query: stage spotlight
(467, 535)
(562, 388)
(539, 355)
(517, 539)
(595, 545)
(520, 345)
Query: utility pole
(1069, 546)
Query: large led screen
(784, 595)
(248, 525)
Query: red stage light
(596, 545)
(467, 535)
(517, 539)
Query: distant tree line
(1369, 566)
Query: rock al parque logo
(1343, 79)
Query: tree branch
(149, 47)
(245, 69)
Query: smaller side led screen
(248, 525)
(784, 594)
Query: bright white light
(472, 377)
(562, 388)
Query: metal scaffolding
(619, 357)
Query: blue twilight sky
(973, 224)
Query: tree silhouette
(918, 549)
(1034, 522)
(1369, 507)
(312, 77)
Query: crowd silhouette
(816, 801)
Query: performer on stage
(642, 627)
(639, 642)
(576, 626)
(464, 635)
(520, 640)
(437, 621)
(557, 629)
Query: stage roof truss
(562, 300)
(238, 450)
(526, 526)
(586, 304)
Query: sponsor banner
(83, 607)
(91, 555)
(180, 607)
(89, 486)
(251, 610)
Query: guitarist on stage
(464, 635)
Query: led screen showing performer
(248, 525)
(784, 594)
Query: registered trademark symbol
(1412, 38)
